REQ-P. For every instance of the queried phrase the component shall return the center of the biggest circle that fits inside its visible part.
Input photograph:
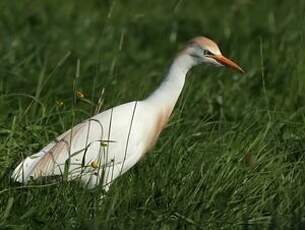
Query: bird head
(204, 50)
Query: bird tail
(26, 169)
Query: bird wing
(102, 138)
(50, 159)
(56, 153)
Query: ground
(232, 155)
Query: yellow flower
(94, 164)
(59, 103)
(79, 94)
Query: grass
(232, 156)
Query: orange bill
(227, 62)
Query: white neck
(167, 94)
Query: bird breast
(158, 123)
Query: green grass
(233, 153)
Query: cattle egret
(105, 146)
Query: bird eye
(207, 52)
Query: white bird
(105, 146)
